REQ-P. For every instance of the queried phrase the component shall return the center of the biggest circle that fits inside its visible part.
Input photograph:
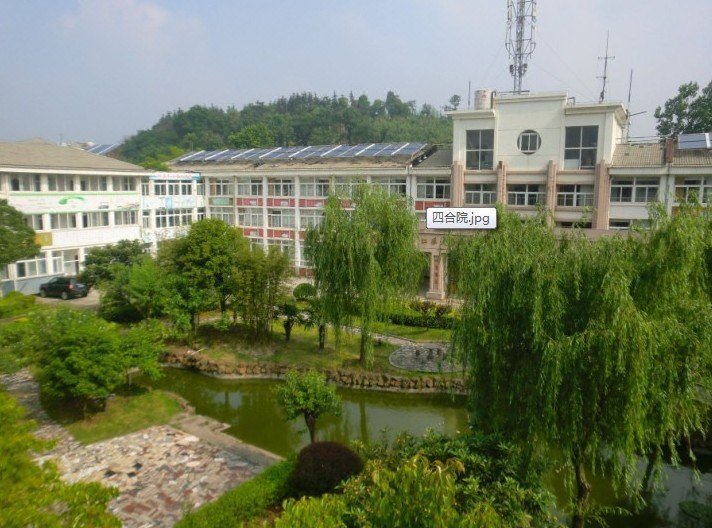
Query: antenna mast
(521, 20)
(605, 70)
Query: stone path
(423, 357)
(160, 472)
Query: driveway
(91, 301)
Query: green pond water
(250, 408)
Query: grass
(124, 414)
(416, 333)
(252, 499)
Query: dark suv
(64, 287)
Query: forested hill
(300, 119)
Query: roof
(441, 158)
(41, 154)
(642, 155)
(653, 155)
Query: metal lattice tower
(521, 20)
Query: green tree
(364, 258)
(140, 349)
(308, 395)
(290, 316)
(455, 101)
(78, 355)
(17, 240)
(35, 495)
(689, 111)
(562, 350)
(252, 136)
(101, 263)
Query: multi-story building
(76, 200)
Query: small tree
(141, 347)
(308, 395)
(17, 240)
(290, 316)
(101, 263)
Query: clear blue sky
(102, 69)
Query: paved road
(90, 301)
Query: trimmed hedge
(322, 466)
(424, 321)
(246, 501)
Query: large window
(35, 222)
(95, 219)
(284, 246)
(280, 187)
(480, 193)
(223, 213)
(526, 194)
(32, 267)
(146, 219)
(280, 218)
(310, 218)
(574, 195)
(480, 150)
(25, 182)
(60, 182)
(581, 149)
(173, 217)
(634, 190)
(63, 220)
(220, 187)
(249, 217)
(145, 188)
(694, 190)
(433, 188)
(129, 217)
(92, 183)
(249, 187)
(124, 183)
(391, 185)
(346, 186)
(309, 186)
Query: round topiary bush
(304, 291)
(322, 466)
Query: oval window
(529, 141)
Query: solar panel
(189, 155)
(240, 154)
(225, 155)
(409, 149)
(370, 150)
(215, 155)
(319, 150)
(353, 149)
(336, 152)
(255, 154)
(694, 141)
(286, 152)
(306, 151)
(271, 153)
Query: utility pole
(521, 20)
(602, 97)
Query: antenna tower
(521, 20)
(605, 70)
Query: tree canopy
(300, 119)
(101, 263)
(687, 112)
(596, 348)
(17, 240)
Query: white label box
(461, 218)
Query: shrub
(15, 303)
(247, 500)
(322, 466)
(424, 321)
(304, 291)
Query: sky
(101, 70)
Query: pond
(250, 408)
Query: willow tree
(364, 258)
(562, 352)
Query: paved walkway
(161, 472)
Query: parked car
(64, 287)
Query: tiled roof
(693, 158)
(40, 154)
(643, 155)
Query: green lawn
(125, 413)
(416, 333)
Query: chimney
(669, 150)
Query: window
(480, 193)
(480, 150)
(173, 217)
(433, 188)
(345, 186)
(63, 220)
(32, 267)
(129, 217)
(283, 218)
(634, 190)
(572, 225)
(525, 194)
(92, 183)
(200, 189)
(220, 187)
(146, 219)
(124, 183)
(529, 142)
(186, 188)
(280, 187)
(314, 186)
(201, 213)
(249, 187)
(60, 182)
(249, 217)
(34, 222)
(95, 219)
(145, 188)
(284, 246)
(391, 185)
(581, 149)
(694, 190)
(225, 214)
(160, 188)
(25, 182)
(574, 196)
(310, 218)
(626, 224)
